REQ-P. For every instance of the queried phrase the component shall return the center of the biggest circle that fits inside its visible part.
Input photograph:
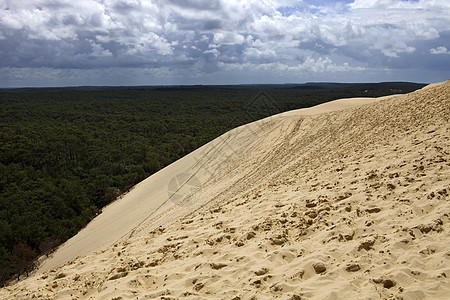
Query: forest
(65, 153)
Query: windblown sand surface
(347, 200)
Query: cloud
(214, 37)
(439, 50)
(214, 52)
(98, 51)
(309, 65)
(257, 55)
(398, 4)
(228, 38)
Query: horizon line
(200, 85)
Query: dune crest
(340, 201)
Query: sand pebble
(319, 267)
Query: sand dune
(349, 199)
(150, 198)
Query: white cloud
(398, 4)
(98, 51)
(228, 38)
(439, 50)
(310, 65)
(254, 54)
(215, 52)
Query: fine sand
(345, 200)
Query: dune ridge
(342, 201)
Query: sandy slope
(338, 201)
(150, 199)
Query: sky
(172, 42)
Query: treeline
(66, 153)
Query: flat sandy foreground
(346, 200)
